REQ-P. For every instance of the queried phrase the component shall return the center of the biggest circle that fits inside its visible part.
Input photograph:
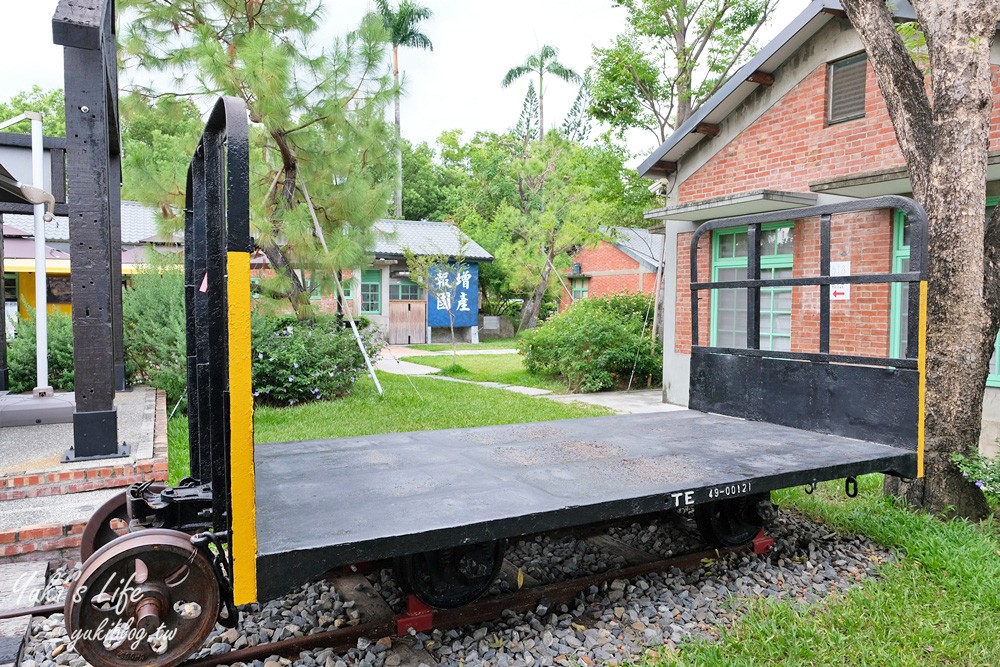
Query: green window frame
(729, 262)
(371, 291)
(314, 294)
(581, 288)
(405, 290)
(347, 284)
(900, 294)
(10, 287)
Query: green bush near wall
(21, 353)
(597, 344)
(153, 321)
(306, 361)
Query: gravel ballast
(604, 625)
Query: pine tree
(526, 124)
(576, 127)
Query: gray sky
(456, 86)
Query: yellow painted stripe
(243, 542)
(922, 370)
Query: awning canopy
(758, 201)
(894, 181)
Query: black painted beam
(94, 181)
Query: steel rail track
(383, 621)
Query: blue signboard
(453, 289)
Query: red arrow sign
(836, 293)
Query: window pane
(725, 245)
(741, 244)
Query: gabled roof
(638, 244)
(739, 87)
(426, 238)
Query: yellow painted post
(243, 542)
(922, 370)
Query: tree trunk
(399, 148)
(296, 294)
(454, 343)
(541, 108)
(529, 315)
(945, 145)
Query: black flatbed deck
(325, 503)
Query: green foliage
(524, 130)
(673, 56)
(402, 22)
(983, 472)
(576, 126)
(21, 353)
(596, 343)
(297, 361)
(153, 318)
(544, 61)
(429, 187)
(318, 121)
(158, 138)
(50, 103)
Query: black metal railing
(753, 283)
(216, 221)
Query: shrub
(595, 344)
(983, 472)
(153, 320)
(21, 353)
(297, 361)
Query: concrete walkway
(403, 351)
(622, 402)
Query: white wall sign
(840, 292)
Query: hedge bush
(21, 353)
(595, 344)
(298, 361)
(153, 320)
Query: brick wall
(58, 542)
(615, 272)
(790, 145)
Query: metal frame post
(86, 31)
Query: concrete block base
(25, 410)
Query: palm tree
(541, 63)
(402, 27)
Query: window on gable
(581, 288)
(846, 88)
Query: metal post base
(95, 436)
(120, 384)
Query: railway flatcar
(252, 522)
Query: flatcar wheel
(451, 578)
(731, 522)
(108, 522)
(146, 598)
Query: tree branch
(900, 81)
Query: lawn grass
(426, 404)
(494, 344)
(503, 368)
(938, 605)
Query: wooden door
(407, 322)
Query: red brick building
(802, 123)
(625, 263)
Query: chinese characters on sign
(454, 290)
